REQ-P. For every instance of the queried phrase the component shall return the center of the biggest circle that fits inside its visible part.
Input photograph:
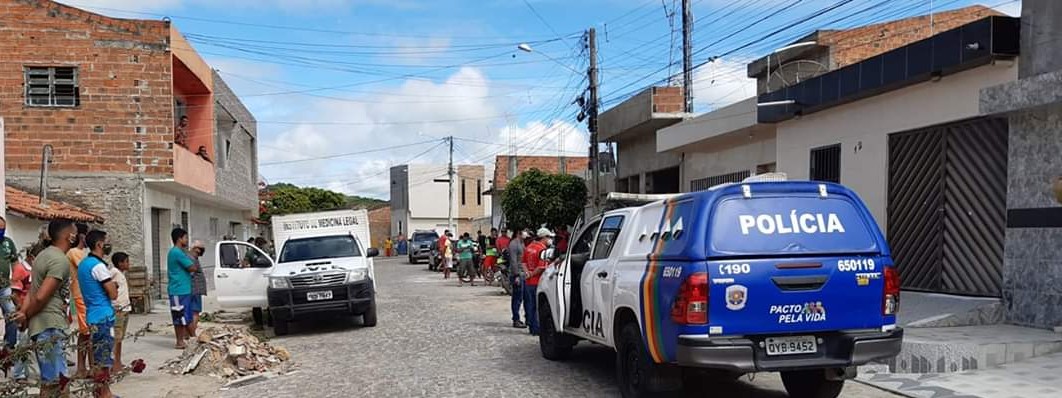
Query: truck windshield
(319, 247)
(424, 237)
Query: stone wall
(116, 198)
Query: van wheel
(811, 384)
(411, 260)
(369, 317)
(638, 375)
(257, 316)
(555, 345)
(280, 327)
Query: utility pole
(687, 55)
(592, 120)
(450, 179)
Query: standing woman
(199, 288)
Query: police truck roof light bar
(691, 302)
(891, 303)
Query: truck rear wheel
(811, 384)
(369, 317)
(555, 345)
(257, 316)
(636, 372)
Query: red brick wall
(379, 225)
(125, 75)
(549, 164)
(854, 45)
(668, 99)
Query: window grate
(708, 182)
(52, 86)
(826, 164)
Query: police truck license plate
(791, 345)
(315, 296)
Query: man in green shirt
(8, 256)
(45, 307)
(467, 268)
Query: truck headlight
(279, 283)
(357, 275)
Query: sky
(342, 90)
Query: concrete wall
(23, 230)
(740, 153)
(637, 155)
(116, 198)
(862, 128)
(236, 155)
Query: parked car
(420, 245)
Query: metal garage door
(947, 206)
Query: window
(479, 192)
(582, 245)
(234, 228)
(52, 86)
(462, 192)
(319, 247)
(610, 229)
(826, 164)
(766, 168)
(705, 183)
(214, 227)
(184, 220)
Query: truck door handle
(220, 276)
(602, 274)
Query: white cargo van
(322, 264)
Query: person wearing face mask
(8, 256)
(77, 303)
(199, 288)
(98, 289)
(533, 267)
(516, 279)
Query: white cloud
(466, 100)
(133, 8)
(721, 83)
(123, 8)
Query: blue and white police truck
(790, 277)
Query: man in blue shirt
(179, 268)
(97, 290)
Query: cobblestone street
(437, 339)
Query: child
(122, 305)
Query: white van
(323, 265)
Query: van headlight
(357, 275)
(279, 283)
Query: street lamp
(527, 49)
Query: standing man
(466, 267)
(8, 257)
(533, 267)
(516, 279)
(45, 308)
(179, 268)
(98, 289)
(75, 255)
(199, 287)
(563, 237)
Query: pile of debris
(229, 352)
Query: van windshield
(790, 225)
(319, 247)
(425, 236)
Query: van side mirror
(372, 252)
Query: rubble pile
(229, 352)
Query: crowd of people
(70, 282)
(521, 254)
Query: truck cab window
(610, 229)
(319, 247)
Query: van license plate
(791, 345)
(315, 296)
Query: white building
(419, 198)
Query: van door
(600, 270)
(795, 262)
(241, 274)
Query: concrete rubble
(230, 353)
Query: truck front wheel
(555, 345)
(811, 384)
(280, 327)
(369, 317)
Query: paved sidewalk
(1037, 377)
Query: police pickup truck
(789, 277)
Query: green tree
(534, 198)
(286, 198)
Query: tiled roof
(28, 205)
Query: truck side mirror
(263, 262)
(372, 252)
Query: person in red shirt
(534, 265)
(503, 241)
(562, 239)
